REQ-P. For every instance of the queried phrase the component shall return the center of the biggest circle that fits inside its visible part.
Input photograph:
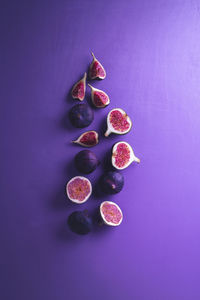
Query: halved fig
(87, 139)
(99, 98)
(111, 213)
(79, 189)
(123, 155)
(96, 69)
(118, 122)
(78, 90)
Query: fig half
(111, 213)
(118, 122)
(87, 139)
(99, 98)
(123, 155)
(78, 90)
(96, 69)
(79, 189)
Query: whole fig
(86, 161)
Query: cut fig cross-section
(78, 90)
(99, 98)
(96, 69)
(87, 139)
(118, 122)
(79, 189)
(123, 155)
(111, 213)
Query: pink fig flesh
(96, 69)
(119, 121)
(99, 98)
(78, 90)
(88, 139)
(122, 155)
(111, 213)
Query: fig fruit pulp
(123, 155)
(79, 222)
(79, 189)
(112, 182)
(99, 98)
(81, 115)
(87, 139)
(96, 69)
(78, 90)
(86, 161)
(118, 122)
(111, 213)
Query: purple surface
(151, 52)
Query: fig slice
(123, 155)
(79, 189)
(78, 90)
(96, 69)
(88, 139)
(118, 122)
(99, 98)
(111, 213)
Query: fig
(118, 122)
(112, 182)
(79, 189)
(123, 155)
(96, 69)
(78, 90)
(81, 115)
(79, 222)
(87, 139)
(111, 213)
(99, 98)
(86, 161)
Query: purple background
(151, 52)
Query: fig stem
(90, 86)
(108, 131)
(137, 159)
(93, 55)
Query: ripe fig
(123, 155)
(78, 90)
(79, 189)
(81, 115)
(112, 182)
(86, 161)
(118, 122)
(111, 213)
(87, 139)
(96, 69)
(99, 98)
(79, 222)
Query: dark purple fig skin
(79, 222)
(112, 182)
(81, 115)
(86, 161)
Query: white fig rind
(92, 96)
(133, 158)
(104, 219)
(110, 128)
(99, 76)
(84, 145)
(76, 200)
(84, 83)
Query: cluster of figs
(79, 188)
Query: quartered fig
(99, 98)
(78, 90)
(80, 222)
(87, 139)
(96, 69)
(86, 161)
(123, 155)
(118, 122)
(81, 115)
(79, 189)
(112, 182)
(111, 213)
